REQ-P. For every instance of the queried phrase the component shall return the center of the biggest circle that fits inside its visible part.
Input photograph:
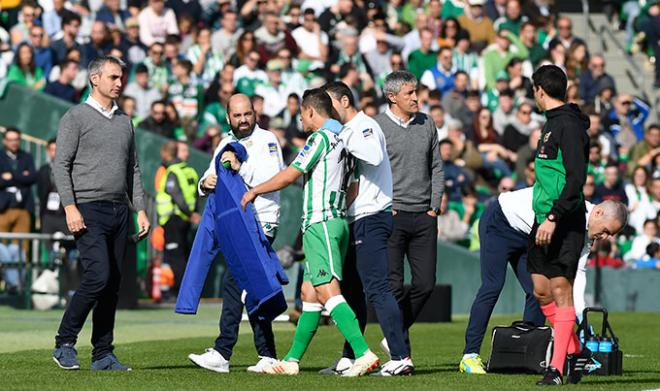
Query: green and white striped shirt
(323, 162)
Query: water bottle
(605, 345)
(592, 344)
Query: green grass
(156, 344)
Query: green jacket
(494, 61)
(17, 75)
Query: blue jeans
(500, 245)
(9, 253)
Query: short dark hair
(436, 107)
(319, 100)
(68, 62)
(12, 129)
(51, 141)
(141, 68)
(651, 249)
(293, 95)
(309, 11)
(338, 90)
(445, 141)
(186, 64)
(552, 80)
(69, 17)
(435, 94)
(653, 126)
(158, 102)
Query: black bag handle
(524, 323)
(605, 328)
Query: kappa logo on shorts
(322, 273)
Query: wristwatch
(551, 217)
(436, 211)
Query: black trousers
(177, 247)
(415, 236)
(230, 320)
(102, 249)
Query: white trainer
(385, 347)
(262, 364)
(339, 367)
(403, 367)
(212, 360)
(283, 368)
(363, 365)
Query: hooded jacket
(561, 163)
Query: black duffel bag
(520, 348)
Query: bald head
(606, 219)
(240, 115)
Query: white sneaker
(363, 365)
(262, 364)
(402, 367)
(282, 368)
(385, 347)
(339, 367)
(211, 360)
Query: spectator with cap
(70, 28)
(136, 51)
(479, 27)
(312, 41)
(140, 90)
(490, 97)
(496, 57)
(62, 87)
(595, 79)
(423, 58)
(441, 76)
(224, 39)
(156, 22)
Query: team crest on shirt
(547, 137)
(272, 148)
(367, 132)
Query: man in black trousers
(97, 174)
(418, 183)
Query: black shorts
(560, 258)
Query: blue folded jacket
(225, 227)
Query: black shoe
(551, 377)
(576, 365)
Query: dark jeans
(415, 235)
(500, 245)
(102, 248)
(230, 320)
(366, 272)
(177, 247)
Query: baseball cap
(274, 65)
(132, 22)
(501, 75)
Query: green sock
(307, 325)
(348, 325)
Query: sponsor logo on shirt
(367, 132)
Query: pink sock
(549, 311)
(564, 324)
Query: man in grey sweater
(97, 174)
(418, 181)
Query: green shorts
(325, 245)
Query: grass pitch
(156, 344)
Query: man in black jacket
(51, 211)
(17, 175)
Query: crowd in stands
(473, 60)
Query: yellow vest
(187, 179)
